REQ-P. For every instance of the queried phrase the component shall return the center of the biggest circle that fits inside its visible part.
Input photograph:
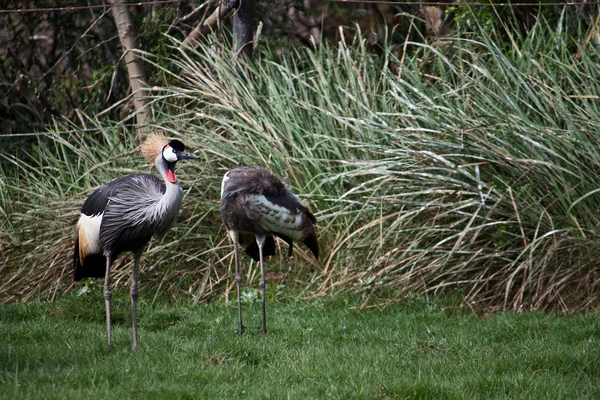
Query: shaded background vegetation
(442, 148)
(64, 63)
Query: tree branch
(243, 30)
(193, 39)
(135, 68)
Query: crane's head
(175, 151)
(158, 149)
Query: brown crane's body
(124, 214)
(256, 203)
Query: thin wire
(391, 2)
(438, 3)
(78, 8)
(9, 135)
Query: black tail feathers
(250, 246)
(311, 242)
(94, 264)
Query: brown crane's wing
(284, 216)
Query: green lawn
(315, 349)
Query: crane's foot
(239, 331)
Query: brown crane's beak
(182, 155)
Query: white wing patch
(278, 219)
(89, 235)
(225, 178)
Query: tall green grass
(459, 165)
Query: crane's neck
(168, 206)
(167, 171)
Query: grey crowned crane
(124, 214)
(254, 202)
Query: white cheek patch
(169, 154)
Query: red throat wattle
(171, 175)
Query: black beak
(182, 155)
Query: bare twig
(137, 77)
(193, 39)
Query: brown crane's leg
(107, 298)
(238, 279)
(134, 296)
(260, 239)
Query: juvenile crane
(254, 202)
(124, 214)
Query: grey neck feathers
(173, 193)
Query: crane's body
(140, 206)
(124, 214)
(256, 203)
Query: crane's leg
(238, 279)
(134, 296)
(260, 239)
(107, 298)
